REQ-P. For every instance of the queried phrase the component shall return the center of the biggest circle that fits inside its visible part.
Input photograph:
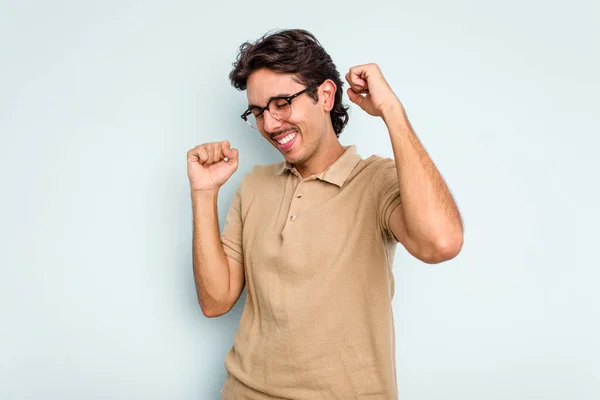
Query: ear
(328, 89)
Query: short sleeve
(386, 193)
(231, 238)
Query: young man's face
(297, 137)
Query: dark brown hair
(293, 51)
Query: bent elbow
(214, 311)
(443, 250)
(209, 312)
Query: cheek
(305, 121)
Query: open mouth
(287, 141)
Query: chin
(294, 158)
(296, 154)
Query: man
(313, 238)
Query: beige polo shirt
(317, 254)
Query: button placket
(298, 195)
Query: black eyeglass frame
(266, 108)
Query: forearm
(211, 270)
(430, 213)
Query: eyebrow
(279, 96)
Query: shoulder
(264, 173)
(374, 166)
(268, 171)
(260, 176)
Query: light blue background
(99, 102)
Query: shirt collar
(336, 173)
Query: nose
(270, 124)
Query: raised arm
(219, 279)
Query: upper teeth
(287, 138)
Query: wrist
(392, 112)
(205, 194)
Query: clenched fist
(370, 91)
(210, 165)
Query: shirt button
(299, 195)
(293, 217)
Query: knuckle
(200, 150)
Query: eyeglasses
(280, 108)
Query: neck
(325, 155)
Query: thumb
(355, 97)
(231, 154)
